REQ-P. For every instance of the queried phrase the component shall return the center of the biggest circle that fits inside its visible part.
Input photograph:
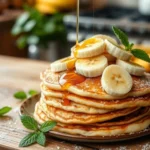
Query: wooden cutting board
(22, 74)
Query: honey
(77, 23)
(70, 62)
(70, 78)
(66, 102)
(66, 80)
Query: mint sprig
(4, 110)
(123, 38)
(38, 136)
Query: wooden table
(21, 74)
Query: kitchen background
(46, 29)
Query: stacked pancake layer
(86, 109)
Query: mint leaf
(48, 125)
(140, 54)
(122, 37)
(28, 140)
(4, 110)
(41, 139)
(32, 92)
(20, 95)
(29, 122)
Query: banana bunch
(91, 58)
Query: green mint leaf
(41, 139)
(20, 95)
(48, 125)
(28, 140)
(140, 54)
(4, 110)
(29, 122)
(32, 92)
(121, 36)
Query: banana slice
(105, 37)
(67, 63)
(132, 68)
(89, 48)
(116, 81)
(91, 67)
(117, 52)
(141, 62)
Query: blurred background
(46, 29)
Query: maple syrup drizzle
(66, 101)
(66, 80)
(70, 77)
(70, 63)
(77, 23)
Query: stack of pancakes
(86, 109)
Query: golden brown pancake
(94, 130)
(74, 107)
(69, 117)
(92, 88)
(129, 102)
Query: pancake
(138, 114)
(69, 117)
(74, 107)
(92, 88)
(95, 130)
(129, 102)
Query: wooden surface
(20, 74)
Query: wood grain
(21, 74)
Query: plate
(27, 108)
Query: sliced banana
(141, 62)
(117, 52)
(89, 48)
(116, 80)
(67, 63)
(91, 67)
(132, 68)
(105, 37)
